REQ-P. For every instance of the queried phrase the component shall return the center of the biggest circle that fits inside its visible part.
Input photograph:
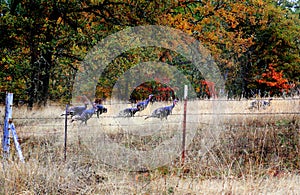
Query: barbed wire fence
(60, 126)
(44, 121)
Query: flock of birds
(81, 113)
(257, 104)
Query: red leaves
(273, 79)
(161, 91)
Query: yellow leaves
(78, 50)
(211, 36)
(252, 20)
(260, 2)
(59, 20)
(96, 2)
(179, 22)
(198, 28)
(26, 50)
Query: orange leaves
(208, 88)
(163, 56)
(103, 91)
(230, 18)
(8, 78)
(274, 79)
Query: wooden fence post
(17, 145)
(9, 125)
(7, 121)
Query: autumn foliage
(274, 80)
(206, 89)
(161, 92)
(44, 42)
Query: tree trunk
(33, 78)
(45, 64)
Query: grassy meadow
(230, 150)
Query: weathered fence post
(17, 145)
(8, 125)
(184, 123)
(66, 131)
(7, 121)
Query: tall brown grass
(251, 154)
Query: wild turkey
(86, 115)
(257, 104)
(129, 112)
(163, 112)
(254, 104)
(100, 109)
(143, 105)
(75, 110)
(265, 103)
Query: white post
(7, 121)
(9, 125)
(185, 92)
(17, 145)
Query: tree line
(255, 44)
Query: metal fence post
(66, 131)
(184, 123)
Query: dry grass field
(230, 150)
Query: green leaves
(244, 37)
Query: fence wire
(39, 125)
(56, 125)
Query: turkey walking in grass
(143, 105)
(129, 112)
(86, 115)
(163, 112)
(100, 109)
(75, 110)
